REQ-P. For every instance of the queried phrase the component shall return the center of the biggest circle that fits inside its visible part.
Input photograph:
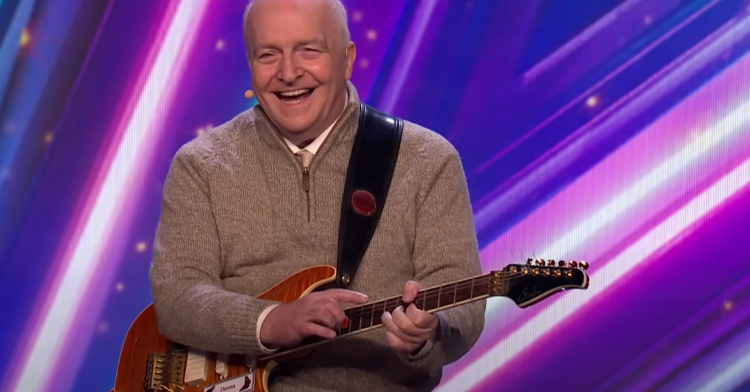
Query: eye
(267, 57)
(309, 53)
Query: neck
(366, 317)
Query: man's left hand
(408, 330)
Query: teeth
(294, 93)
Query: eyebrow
(318, 41)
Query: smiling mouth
(296, 96)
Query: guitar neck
(366, 317)
(431, 300)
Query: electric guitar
(150, 362)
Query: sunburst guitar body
(149, 362)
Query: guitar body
(143, 338)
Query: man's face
(299, 65)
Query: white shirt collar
(315, 145)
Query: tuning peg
(550, 263)
(573, 264)
(528, 261)
(561, 263)
(540, 262)
(568, 274)
(557, 273)
(584, 265)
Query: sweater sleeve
(446, 250)
(191, 305)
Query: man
(259, 198)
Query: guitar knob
(561, 263)
(584, 265)
(540, 262)
(550, 263)
(573, 264)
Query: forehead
(279, 24)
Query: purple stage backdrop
(611, 131)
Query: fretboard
(367, 316)
(430, 300)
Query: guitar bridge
(155, 369)
(165, 371)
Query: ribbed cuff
(242, 325)
(427, 346)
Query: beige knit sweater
(234, 222)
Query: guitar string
(467, 283)
(369, 310)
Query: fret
(360, 316)
(440, 288)
(363, 321)
(372, 315)
(446, 298)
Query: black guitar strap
(368, 178)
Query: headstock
(538, 279)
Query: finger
(411, 288)
(334, 309)
(413, 332)
(407, 331)
(324, 317)
(421, 319)
(390, 325)
(397, 344)
(387, 319)
(349, 296)
(313, 329)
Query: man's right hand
(316, 314)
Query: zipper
(306, 188)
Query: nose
(289, 71)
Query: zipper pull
(306, 179)
(307, 157)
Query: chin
(295, 120)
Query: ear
(350, 55)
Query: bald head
(300, 59)
(334, 8)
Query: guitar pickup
(196, 367)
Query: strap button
(345, 279)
